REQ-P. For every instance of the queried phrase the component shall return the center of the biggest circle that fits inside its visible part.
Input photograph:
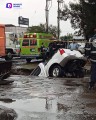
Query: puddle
(33, 105)
(33, 108)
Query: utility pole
(59, 17)
(47, 13)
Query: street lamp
(47, 8)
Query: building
(78, 37)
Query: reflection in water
(61, 107)
(48, 104)
(33, 108)
(34, 105)
(51, 104)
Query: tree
(66, 37)
(41, 29)
(82, 16)
(37, 29)
(53, 30)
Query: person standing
(43, 52)
(51, 51)
(55, 47)
(90, 52)
(73, 46)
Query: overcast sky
(35, 11)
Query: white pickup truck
(63, 63)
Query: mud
(35, 98)
(21, 67)
(38, 98)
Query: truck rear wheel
(56, 71)
(9, 56)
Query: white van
(12, 45)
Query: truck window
(33, 42)
(11, 37)
(25, 43)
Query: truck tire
(56, 71)
(9, 56)
(28, 60)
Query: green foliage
(82, 16)
(67, 37)
(53, 30)
(41, 29)
(37, 29)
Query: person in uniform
(90, 52)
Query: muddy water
(37, 98)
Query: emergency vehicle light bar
(30, 35)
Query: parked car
(63, 63)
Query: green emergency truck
(31, 43)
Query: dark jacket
(90, 49)
(42, 48)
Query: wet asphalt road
(38, 98)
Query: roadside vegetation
(82, 16)
(41, 29)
